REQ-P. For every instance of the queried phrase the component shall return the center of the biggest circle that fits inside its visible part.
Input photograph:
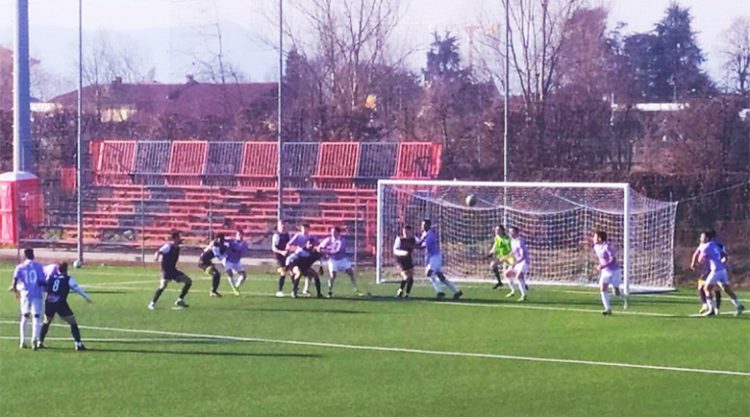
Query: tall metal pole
(506, 97)
(506, 111)
(79, 139)
(21, 95)
(280, 185)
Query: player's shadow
(106, 292)
(309, 310)
(205, 353)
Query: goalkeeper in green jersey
(501, 253)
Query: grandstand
(137, 191)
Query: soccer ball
(77, 264)
(471, 200)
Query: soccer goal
(556, 219)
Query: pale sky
(138, 19)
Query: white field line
(127, 339)
(414, 351)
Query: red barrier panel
(418, 160)
(116, 161)
(187, 162)
(259, 163)
(68, 178)
(337, 164)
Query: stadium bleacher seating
(141, 190)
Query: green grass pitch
(257, 355)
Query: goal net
(556, 220)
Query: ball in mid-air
(77, 264)
(471, 200)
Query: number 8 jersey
(58, 287)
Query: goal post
(555, 219)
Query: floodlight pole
(21, 86)
(79, 141)
(280, 185)
(506, 100)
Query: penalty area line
(415, 351)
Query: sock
(317, 286)
(230, 279)
(522, 287)
(449, 283)
(353, 279)
(702, 296)
(295, 284)
(717, 296)
(435, 283)
(43, 333)
(76, 333)
(36, 324)
(735, 301)
(510, 285)
(330, 285)
(409, 284)
(157, 294)
(605, 300)
(711, 304)
(185, 289)
(306, 288)
(281, 282)
(24, 319)
(403, 284)
(215, 279)
(496, 271)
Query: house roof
(191, 99)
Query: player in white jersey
(233, 261)
(30, 276)
(610, 274)
(718, 275)
(519, 269)
(430, 242)
(334, 248)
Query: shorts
(60, 308)
(234, 267)
(176, 276)
(280, 260)
(718, 277)
(206, 266)
(521, 268)
(33, 306)
(608, 277)
(405, 265)
(336, 265)
(434, 263)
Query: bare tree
(106, 59)
(736, 51)
(348, 39)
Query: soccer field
(258, 355)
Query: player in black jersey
(59, 284)
(215, 250)
(301, 262)
(402, 250)
(278, 246)
(170, 254)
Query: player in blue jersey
(59, 284)
(233, 261)
(28, 286)
(718, 275)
